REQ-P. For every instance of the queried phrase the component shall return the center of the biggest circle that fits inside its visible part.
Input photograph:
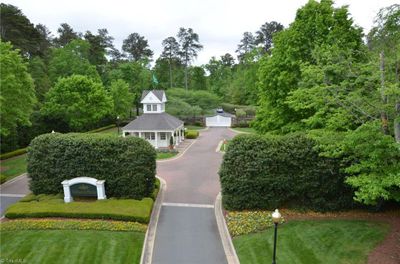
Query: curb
(218, 149)
(226, 239)
(237, 131)
(14, 179)
(149, 239)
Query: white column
(177, 138)
(140, 134)
(123, 133)
(67, 192)
(101, 193)
(156, 139)
(183, 133)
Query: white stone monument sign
(99, 184)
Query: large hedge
(127, 164)
(261, 172)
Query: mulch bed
(387, 252)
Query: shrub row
(3, 178)
(270, 172)
(46, 224)
(13, 153)
(51, 206)
(128, 165)
(191, 134)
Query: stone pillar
(67, 192)
(101, 193)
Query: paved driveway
(187, 231)
(12, 191)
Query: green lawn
(53, 206)
(112, 131)
(13, 167)
(325, 242)
(166, 155)
(194, 127)
(245, 129)
(70, 246)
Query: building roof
(154, 122)
(158, 93)
(224, 114)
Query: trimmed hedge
(274, 172)
(52, 206)
(128, 165)
(3, 178)
(13, 153)
(191, 134)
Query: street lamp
(276, 217)
(118, 124)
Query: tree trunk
(384, 118)
(186, 77)
(170, 74)
(397, 108)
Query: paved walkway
(187, 230)
(12, 191)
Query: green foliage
(53, 206)
(318, 25)
(16, 28)
(13, 153)
(72, 59)
(191, 134)
(126, 164)
(137, 47)
(17, 90)
(374, 160)
(232, 108)
(270, 172)
(198, 79)
(190, 103)
(79, 101)
(122, 97)
(38, 70)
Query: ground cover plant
(327, 241)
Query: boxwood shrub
(128, 165)
(261, 172)
(191, 134)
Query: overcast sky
(219, 23)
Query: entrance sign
(83, 186)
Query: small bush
(13, 153)
(270, 172)
(128, 165)
(191, 134)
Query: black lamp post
(276, 217)
(118, 124)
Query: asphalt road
(187, 231)
(12, 191)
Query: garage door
(218, 121)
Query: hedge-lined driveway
(187, 230)
(193, 178)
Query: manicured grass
(166, 155)
(53, 206)
(327, 242)
(194, 127)
(245, 129)
(13, 167)
(112, 131)
(71, 246)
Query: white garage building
(220, 119)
